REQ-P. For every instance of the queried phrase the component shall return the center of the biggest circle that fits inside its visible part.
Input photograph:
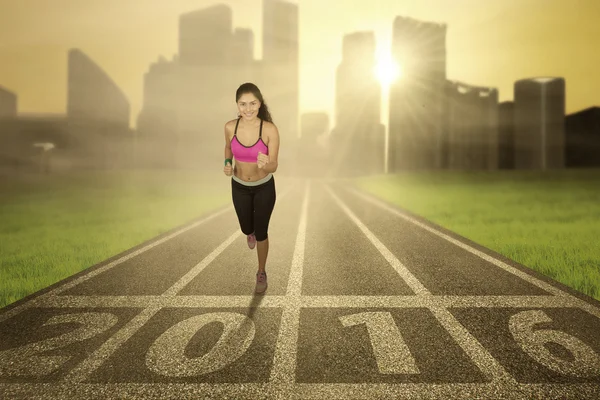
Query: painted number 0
(391, 352)
(166, 355)
(25, 360)
(585, 363)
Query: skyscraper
(279, 69)
(539, 123)
(471, 133)
(312, 146)
(416, 100)
(188, 100)
(582, 131)
(280, 32)
(92, 95)
(98, 115)
(506, 135)
(357, 92)
(205, 36)
(8, 103)
(358, 133)
(244, 68)
(242, 49)
(206, 83)
(158, 121)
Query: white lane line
(411, 301)
(38, 301)
(523, 275)
(476, 352)
(191, 301)
(416, 286)
(446, 391)
(479, 355)
(195, 271)
(82, 371)
(35, 302)
(187, 278)
(176, 390)
(284, 360)
(95, 360)
(432, 301)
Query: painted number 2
(165, 356)
(391, 352)
(27, 359)
(585, 362)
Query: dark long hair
(263, 111)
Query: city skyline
(49, 81)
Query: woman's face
(248, 106)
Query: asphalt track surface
(364, 301)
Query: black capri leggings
(253, 206)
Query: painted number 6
(585, 363)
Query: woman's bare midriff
(248, 172)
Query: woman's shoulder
(230, 123)
(269, 126)
(230, 126)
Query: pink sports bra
(248, 153)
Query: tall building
(506, 135)
(582, 145)
(188, 100)
(471, 134)
(279, 69)
(98, 116)
(206, 81)
(280, 32)
(205, 36)
(358, 133)
(417, 99)
(157, 125)
(242, 47)
(8, 103)
(244, 67)
(92, 95)
(357, 91)
(539, 123)
(312, 157)
(160, 100)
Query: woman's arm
(273, 147)
(228, 152)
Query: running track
(364, 301)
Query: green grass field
(549, 222)
(55, 226)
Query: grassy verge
(547, 221)
(55, 226)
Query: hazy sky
(489, 42)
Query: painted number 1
(391, 352)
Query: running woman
(253, 141)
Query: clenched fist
(262, 159)
(228, 170)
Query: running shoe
(251, 240)
(261, 282)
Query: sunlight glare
(387, 71)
